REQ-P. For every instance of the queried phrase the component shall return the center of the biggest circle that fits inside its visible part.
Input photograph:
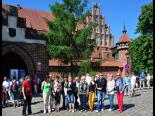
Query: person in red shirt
(27, 95)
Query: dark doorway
(12, 60)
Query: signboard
(14, 73)
(126, 67)
(21, 73)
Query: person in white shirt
(110, 90)
(5, 85)
(133, 84)
(148, 80)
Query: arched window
(12, 32)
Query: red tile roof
(124, 38)
(55, 62)
(35, 18)
(112, 63)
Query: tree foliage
(67, 41)
(145, 24)
(141, 49)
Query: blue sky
(117, 12)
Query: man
(65, 86)
(27, 95)
(142, 79)
(101, 85)
(127, 80)
(120, 86)
(133, 84)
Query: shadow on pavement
(137, 95)
(41, 111)
(128, 106)
(33, 103)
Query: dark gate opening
(12, 60)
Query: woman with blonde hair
(57, 93)
(91, 95)
(110, 91)
(70, 94)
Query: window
(116, 56)
(105, 43)
(101, 40)
(12, 32)
(102, 30)
(96, 30)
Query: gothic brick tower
(123, 53)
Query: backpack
(14, 87)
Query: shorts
(70, 98)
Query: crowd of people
(72, 94)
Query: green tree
(141, 49)
(66, 39)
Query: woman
(57, 93)
(70, 94)
(46, 88)
(83, 91)
(110, 91)
(120, 86)
(91, 95)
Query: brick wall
(31, 54)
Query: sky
(116, 12)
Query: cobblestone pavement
(141, 105)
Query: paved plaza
(141, 105)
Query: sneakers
(73, 111)
(49, 111)
(96, 110)
(102, 109)
(70, 110)
(110, 110)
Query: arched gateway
(15, 57)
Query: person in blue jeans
(83, 92)
(70, 94)
(101, 85)
(110, 91)
(127, 81)
(142, 79)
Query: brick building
(24, 45)
(104, 49)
